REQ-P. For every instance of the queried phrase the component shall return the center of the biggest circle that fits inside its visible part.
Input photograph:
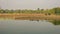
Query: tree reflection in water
(56, 22)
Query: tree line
(38, 11)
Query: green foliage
(57, 10)
(38, 11)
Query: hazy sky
(29, 4)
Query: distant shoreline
(29, 16)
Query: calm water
(28, 27)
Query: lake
(29, 27)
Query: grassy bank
(29, 16)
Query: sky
(29, 4)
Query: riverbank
(30, 16)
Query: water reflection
(29, 27)
(56, 22)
